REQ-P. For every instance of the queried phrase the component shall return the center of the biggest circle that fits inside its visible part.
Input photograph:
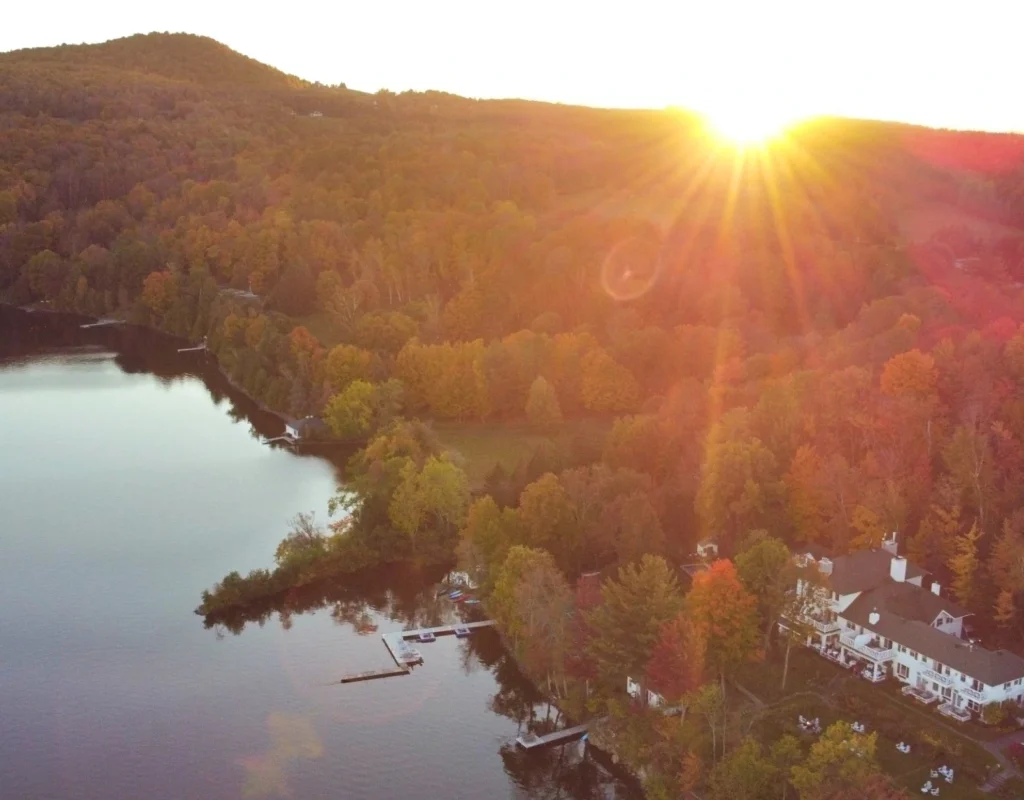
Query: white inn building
(876, 617)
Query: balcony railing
(974, 694)
(822, 626)
(932, 675)
(872, 652)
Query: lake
(132, 478)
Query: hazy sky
(949, 63)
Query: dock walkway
(395, 643)
(529, 741)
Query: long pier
(373, 674)
(530, 740)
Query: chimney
(935, 588)
(898, 569)
(889, 544)
(873, 617)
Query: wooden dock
(447, 630)
(373, 674)
(395, 643)
(529, 741)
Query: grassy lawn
(807, 672)
(818, 688)
(322, 326)
(483, 445)
(909, 770)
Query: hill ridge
(179, 56)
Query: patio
(951, 711)
(921, 695)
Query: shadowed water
(131, 478)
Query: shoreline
(597, 743)
(209, 357)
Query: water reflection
(292, 738)
(109, 666)
(402, 596)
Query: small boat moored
(462, 632)
(426, 636)
(455, 595)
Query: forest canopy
(820, 339)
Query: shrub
(994, 714)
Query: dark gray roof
(865, 569)
(991, 667)
(308, 425)
(910, 602)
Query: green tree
(765, 567)
(839, 759)
(429, 506)
(627, 624)
(363, 408)
(810, 600)
(485, 540)
(964, 567)
(739, 487)
(346, 363)
(542, 407)
(607, 386)
(545, 517)
(747, 774)
(350, 413)
(504, 603)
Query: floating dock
(395, 643)
(529, 741)
(373, 674)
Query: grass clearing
(486, 444)
(323, 326)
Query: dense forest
(819, 342)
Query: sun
(748, 126)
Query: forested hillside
(821, 339)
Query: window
(1007, 685)
(900, 649)
(977, 685)
(947, 692)
(902, 670)
(973, 706)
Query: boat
(426, 636)
(461, 631)
(411, 655)
(455, 595)
(472, 602)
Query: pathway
(996, 747)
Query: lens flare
(631, 268)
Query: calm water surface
(131, 478)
